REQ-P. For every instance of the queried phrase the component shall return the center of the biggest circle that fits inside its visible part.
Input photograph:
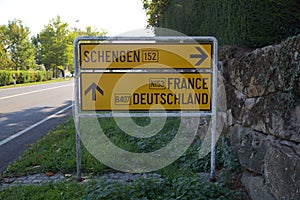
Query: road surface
(27, 113)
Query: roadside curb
(48, 178)
(32, 179)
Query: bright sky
(115, 16)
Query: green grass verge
(179, 188)
(56, 152)
(180, 180)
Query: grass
(180, 180)
(56, 152)
(180, 188)
(34, 83)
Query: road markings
(32, 126)
(21, 94)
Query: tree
(16, 48)
(89, 31)
(53, 45)
(155, 10)
(5, 62)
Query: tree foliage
(89, 31)
(53, 44)
(155, 10)
(5, 62)
(241, 22)
(51, 49)
(16, 49)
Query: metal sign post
(176, 75)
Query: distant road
(29, 112)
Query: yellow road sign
(147, 55)
(145, 91)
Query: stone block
(282, 172)
(256, 188)
(251, 147)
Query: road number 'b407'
(122, 99)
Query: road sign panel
(146, 55)
(146, 91)
(162, 89)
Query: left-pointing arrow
(202, 56)
(93, 87)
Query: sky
(114, 16)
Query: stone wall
(263, 102)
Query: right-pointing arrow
(202, 56)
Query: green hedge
(6, 76)
(241, 22)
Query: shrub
(49, 75)
(40, 76)
(22, 76)
(32, 76)
(5, 77)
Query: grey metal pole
(78, 155)
(76, 111)
(214, 114)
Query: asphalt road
(27, 113)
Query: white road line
(32, 126)
(21, 94)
